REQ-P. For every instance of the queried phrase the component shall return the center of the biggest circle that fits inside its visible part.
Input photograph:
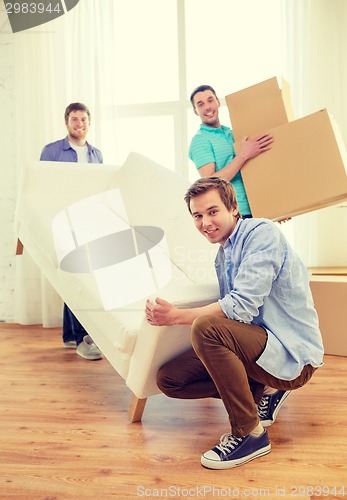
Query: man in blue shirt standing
(262, 333)
(75, 148)
(212, 148)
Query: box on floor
(329, 290)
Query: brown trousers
(222, 364)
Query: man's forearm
(249, 148)
(232, 168)
(187, 316)
(227, 173)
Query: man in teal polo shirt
(212, 148)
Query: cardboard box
(330, 299)
(304, 170)
(257, 108)
(328, 271)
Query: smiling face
(206, 106)
(77, 125)
(212, 218)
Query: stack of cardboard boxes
(306, 167)
(305, 170)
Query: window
(175, 45)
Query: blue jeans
(72, 328)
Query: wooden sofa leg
(136, 408)
(19, 249)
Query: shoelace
(263, 406)
(228, 443)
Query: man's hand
(163, 313)
(160, 313)
(250, 148)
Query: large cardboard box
(306, 167)
(330, 299)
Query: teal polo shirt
(216, 145)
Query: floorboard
(65, 433)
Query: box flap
(287, 101)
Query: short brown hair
(204, 184)
(75, 106)
(201, 88)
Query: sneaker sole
(229, 464)
(89, 358)
(69, 346)
(268, 423)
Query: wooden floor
(64, 433)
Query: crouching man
(260, 341)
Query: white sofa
(108, 237)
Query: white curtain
(314, 49)
(66, 60)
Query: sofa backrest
(66, 207)
(154, 195)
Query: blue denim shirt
(62, 151)
(262, 281)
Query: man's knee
(200, 328)
(167, 383)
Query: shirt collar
(67, 146)
(217, 130)
(231, 239)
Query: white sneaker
(88, 350)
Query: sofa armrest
(155, 345)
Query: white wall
(8, 178)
